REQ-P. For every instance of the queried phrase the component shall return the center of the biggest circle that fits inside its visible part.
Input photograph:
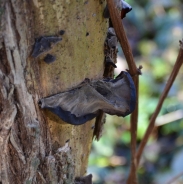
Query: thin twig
(121, 35)
(171, 79)
(133, 120)
(175, 178)
(134, 71)
(169, 117)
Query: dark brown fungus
(125, 9)
(84, 180)
(49, 58)
(122, 6)
(44, 44)
(111, 40)
(110, 47)
(108, 61)
(61, 32)
(83, 103)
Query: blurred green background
(154, 28)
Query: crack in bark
(8, 115)
(24, 108)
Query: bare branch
(134, 122)
(134, 71)
(171, 79)
(120, 32)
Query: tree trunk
(36, 146)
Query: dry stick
(120, 32)
(171, 79)
(133, 120)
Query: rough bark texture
(34, 146)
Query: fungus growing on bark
(84, 180)
(49, 59)
(110, 47)
(112, 40)
(83, 103)
(44, 44)
(61, 32)
(108, 61)
(125, 9)
(122, 6)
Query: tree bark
(36, 146)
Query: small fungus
(110, 50)
(108, 61)
(84, 180)
(44, 44)
(126, 8)
(111, 39)
(121, 5)
(61, 32)
(49, 58)
(83, 103)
